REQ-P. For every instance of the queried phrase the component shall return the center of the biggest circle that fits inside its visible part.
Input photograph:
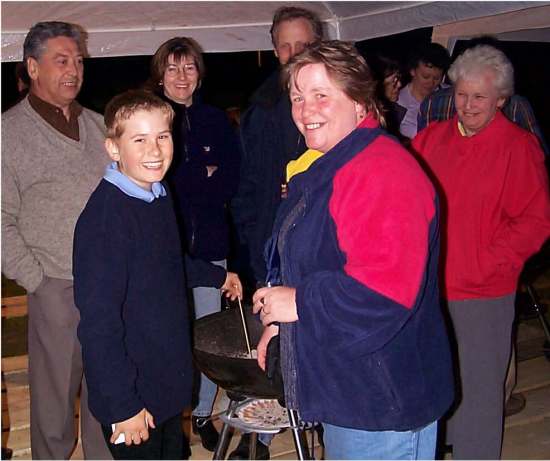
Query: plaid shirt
(440, 106)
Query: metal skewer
(245, 329)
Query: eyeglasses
(187, 68)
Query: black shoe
(320, 434)
(186, 449)
(242, 451)
(515, 404)
(207, 432)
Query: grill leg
(300, 441)
(225, 435)
(253, 444)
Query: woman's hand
(135, 429)
(232, 288)
(275, 304)
(269, 332)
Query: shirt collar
(55, 117)
(126, 185)
(463, 132)
(461, 129)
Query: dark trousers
(483, 331)
(55, 376)
(165, 442)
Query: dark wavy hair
(430, 54)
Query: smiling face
(180, 80)
(425, 79)
(144, 150)
(477, 101)
(323, 113)
(56, 77)
(292, 37)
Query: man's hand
(275, 304)
(232, 288)
(135, 429)
(269, 332)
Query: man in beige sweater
(52, 159)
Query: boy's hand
(135, 429)
(232, 287)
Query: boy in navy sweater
(130, 281)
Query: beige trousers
(56, 376)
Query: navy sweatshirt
(358, 237)
(203, 137)
(130, 288)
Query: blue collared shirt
(126, 185)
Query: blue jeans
(345, 443)
(207, 301)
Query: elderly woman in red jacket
(496, 213)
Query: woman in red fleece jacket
(496, 213)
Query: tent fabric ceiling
(138, 28)
(531, 24)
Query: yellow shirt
(302, 163)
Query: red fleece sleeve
(382, 205)
(526, 204)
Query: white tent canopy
(530, 24)
(138, 28)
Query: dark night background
(232, 77)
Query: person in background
(496, 213)
(269, 140)
(203, 178)
(22, 79)
(363, 215)
(386, 72)
(52, 159)
(130, 287)
(440, 105)
(427, 66)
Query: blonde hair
(123, 106)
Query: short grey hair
(480, 58)
(35, 41)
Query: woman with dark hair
(203, 177)
(387, 73)
(354, 256)
(427, 66)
